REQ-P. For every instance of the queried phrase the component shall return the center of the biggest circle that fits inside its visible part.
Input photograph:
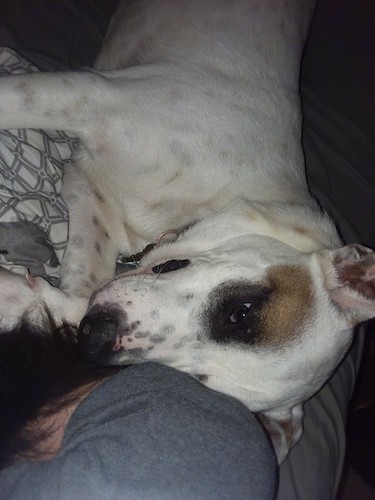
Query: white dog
(191, 122)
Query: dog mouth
(99, 337)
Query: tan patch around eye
(290, 304)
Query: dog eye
(170, 265)
(240, 313)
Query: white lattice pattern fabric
(33, 215)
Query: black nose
(97, 335)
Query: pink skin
(117, 345)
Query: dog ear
(284, 427)
(351, 281)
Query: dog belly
(198, 128)
(267, 34)
(209, 129)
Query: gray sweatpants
(151, 432)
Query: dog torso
(194, 81)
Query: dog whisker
(152, 284)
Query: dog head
(262, 318)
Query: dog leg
(94, 233)
(60, 101)
(34, 301)
(63, 101)
(90, 258)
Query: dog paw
(35, 301)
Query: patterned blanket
(33, 215)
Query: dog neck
(300, 226)
(132, 261)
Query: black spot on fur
(77, 241)
(185, 299)
(141, 335)
(99, 196)
(155, 314)
(128, 329)
(157, 338)
(167, 329)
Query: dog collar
(132, 261)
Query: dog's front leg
(62, 101)
(33, 302)
(58, 101)
(94, 232)
(90, 258)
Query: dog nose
(97, 334)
